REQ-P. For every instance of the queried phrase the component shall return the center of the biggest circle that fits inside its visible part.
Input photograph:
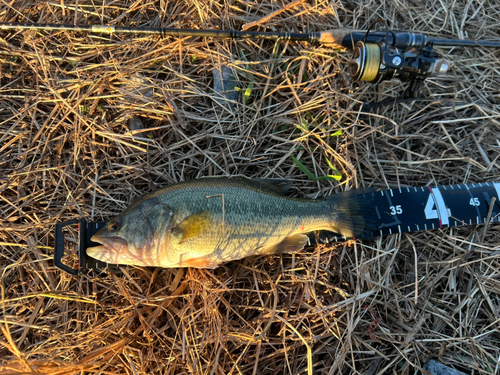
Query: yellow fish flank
(203, 223)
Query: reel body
(406, 56)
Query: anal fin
(290, 244)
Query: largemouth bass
(203, 223)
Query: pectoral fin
(290, 244)
(193, 226)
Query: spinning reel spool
(406, 56)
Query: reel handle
(346, 38)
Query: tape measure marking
(496, 185)
(441, 207)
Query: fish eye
(114, 225)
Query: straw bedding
(373, 307)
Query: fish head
(138, 236)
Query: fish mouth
(110, 249)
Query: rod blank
(233, 34)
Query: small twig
(309, 351)
(488, 219)
(415, 265)
(273, 14)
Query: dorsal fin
(277, 186)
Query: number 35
(396, 209)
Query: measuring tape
(414, 209)
(399, 210)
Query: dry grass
(350, 308)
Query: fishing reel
(403, 55)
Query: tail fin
(354, 213)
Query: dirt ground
(360, 307)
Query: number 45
(474, 202)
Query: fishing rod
(399, 210)
(377, 56)
(340, 38)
